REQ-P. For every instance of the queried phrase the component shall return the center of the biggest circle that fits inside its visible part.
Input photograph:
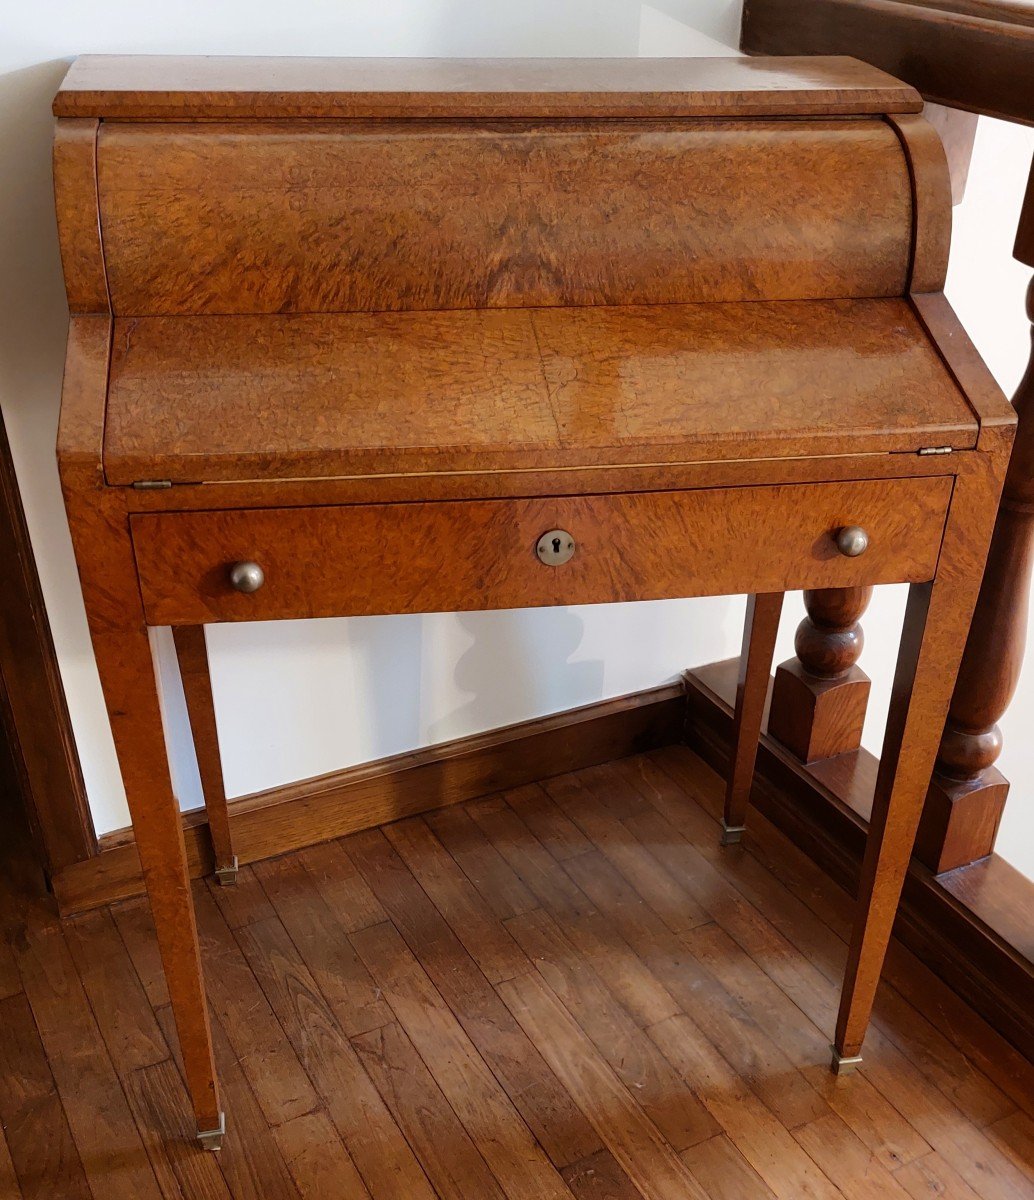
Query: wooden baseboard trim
(971, 926)
(329, 806)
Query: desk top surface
(264, 397)
(132, 87)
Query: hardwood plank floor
(567, 990)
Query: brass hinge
(152, 485)
(936, 450)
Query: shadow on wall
(33, 314)
(308, 697)
(516, 662)
(302, 698)
(32, 306)
(33, 323)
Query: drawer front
(480, 554)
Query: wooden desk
(381, 337)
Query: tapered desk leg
(936, 620)
(759, 636)
(192, 655)
(131, 693)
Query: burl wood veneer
(335, 217)
(204, 398)
(375, 327)
(625, 550)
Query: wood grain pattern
(974, 55)
(632, 1139)
(250, 248)
(760, 628)
(738, 374)
(417, 558)
(120, 1007)
(964, 55)
(81, 435)
(724, 1172)
(84, 395)
(494, 950)
(772, 939)
(821, 694)
(479, 1102)
(340, 218)
(673, 1108)
(599, 1177)
(169, 87)
(544, 1105)
(755, 1057)
(573, 481)
(318, 1162)
(243, 1008)
(451, 1159)
(237, 398)
(800, 951)
(313, 928)
(759, 1137)
(972, 926)
(98, 523)
(315, 810)
(996, 414)
(931, 202)
(250, 1161)
(78, 215)
(43, 1153)
(968, 793)
(192, 658)
(160, 1106)
(936, 621)
(376, 1143)
(127, 674)
(86, 1080)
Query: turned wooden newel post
(967, 793)
(819, 697)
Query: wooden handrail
(978, 56)
(982, 63)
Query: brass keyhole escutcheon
(555, 547)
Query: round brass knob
(851, 541)
(247, 576)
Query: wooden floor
(567, 989)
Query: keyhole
(554, 547)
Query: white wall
(296, 698)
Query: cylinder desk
(395, 336)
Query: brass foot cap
(212, 1139)
(227, 876)
(844, 1064)
(731, 834)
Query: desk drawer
(480, 554)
